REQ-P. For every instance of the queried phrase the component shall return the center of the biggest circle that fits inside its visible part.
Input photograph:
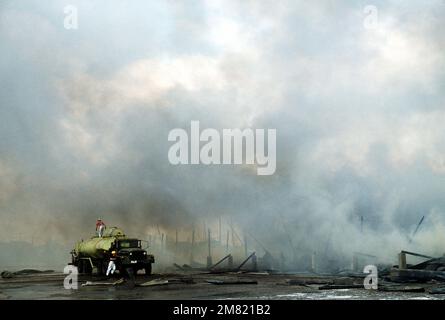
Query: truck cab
(131, 255)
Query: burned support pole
(176, 242)
(230, 262)
(254, 262)
(245, 246)
(417, 229)
(417, 254)
(227, 242)
(191, 249)
(233, 238)
(209, 257)
(162, 242)
(402, 260)
(233, 232)
(220, 235)
(282, 261)
(220, 261)
(354, 265)
(244, 262)
(314, 262)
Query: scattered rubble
(155, 282)
(438, 290)
(340, 286)
(8, 274)
(227, 282)
(401, 289)
(99, 283)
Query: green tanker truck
(96, 253)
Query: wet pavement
(195, 285)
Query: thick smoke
(359, 115)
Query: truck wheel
(148, 270)
(80, 267)
(130, 273)
(87, 267)
(104, 268)
(101, 268)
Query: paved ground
(195, 285)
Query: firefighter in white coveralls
(112, 264)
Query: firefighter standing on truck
(100, 227)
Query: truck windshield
(129, 244)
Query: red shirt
(99, 223)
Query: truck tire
(148, 270)
(87, 267)
(130, 273)
(99, 268)
(102, 268)
(80, 266)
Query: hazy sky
(359, 113)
